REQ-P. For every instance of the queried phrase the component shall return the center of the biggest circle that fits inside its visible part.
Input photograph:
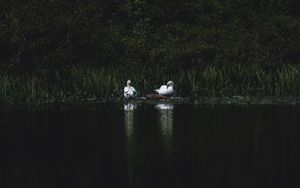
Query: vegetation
(104, 84)
(177, 34)
(54, 50)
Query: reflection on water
(164, 106)
(166, 124)
(128, 118)
(166, 119)
(129, 109)
(130, 106)
(150, 146)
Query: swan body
(166, 90)
(129, 91)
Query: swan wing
(163, 87)
(162, 90)
(165, 91)
(134, 93)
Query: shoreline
(93, 104)
(210, 84)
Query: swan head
(128, 82)
(170, 84)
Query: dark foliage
(53, 33)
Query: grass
(106, 84)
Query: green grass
(106, 84)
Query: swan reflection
(164, 106)
(166, 124)
(166, 118)
(129, 119)
(130, 106)
(129, 110)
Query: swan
(166, 90)
(129, 91)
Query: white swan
(129, 91)
(166, 90)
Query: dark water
(151, 146)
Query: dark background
(54, 34)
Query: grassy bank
(106, 84)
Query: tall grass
(106, 84)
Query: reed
(106, 84)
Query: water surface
(161, 145)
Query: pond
(151, 145)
